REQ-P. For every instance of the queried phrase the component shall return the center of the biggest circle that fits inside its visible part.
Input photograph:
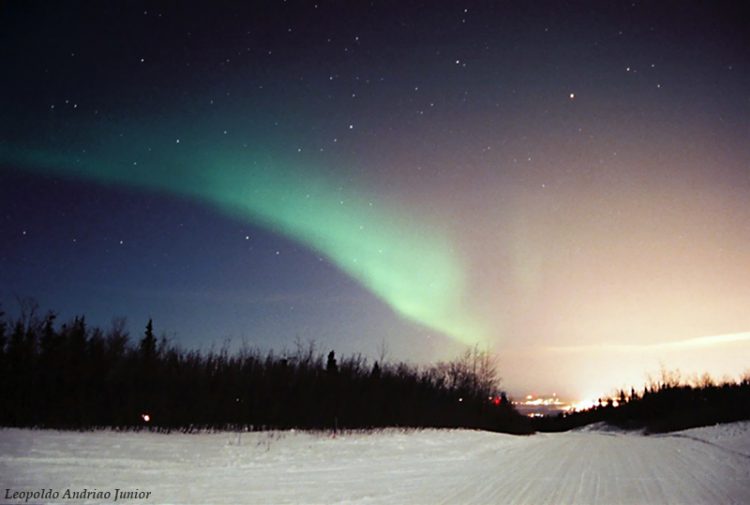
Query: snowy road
(703, 466)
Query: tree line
(665, 404)
(74, 376)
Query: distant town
(548, 405)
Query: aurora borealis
(412, 270)
(563, 183)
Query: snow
(700, 466)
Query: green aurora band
(410, 266)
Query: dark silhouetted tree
(331, 366)
(148, 342)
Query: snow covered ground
(700, 466)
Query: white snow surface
(700, 466)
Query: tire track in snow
(593, 468)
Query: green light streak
(408, 265)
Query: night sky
(566, 184)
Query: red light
(496, 400)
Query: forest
(74, 376)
